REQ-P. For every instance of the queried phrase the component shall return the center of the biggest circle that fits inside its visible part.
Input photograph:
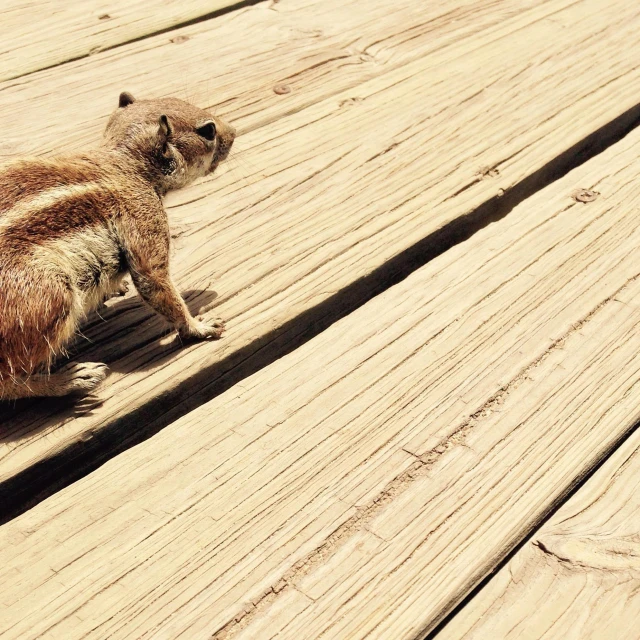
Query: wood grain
(336, 189)
(315, 48)
(579, 576)
(363, 484)
(37, 35)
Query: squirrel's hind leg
(75, 378)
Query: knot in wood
(349, 102)
(488, 172)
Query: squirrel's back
(71, 228)
(58, 254)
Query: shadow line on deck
(31, 486)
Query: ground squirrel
(72, 227)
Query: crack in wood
(404, 481)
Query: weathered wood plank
(320, 48)
(579, 576)
(339, 188)
(37, 35)
(361, 485)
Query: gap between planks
(293, 504)
(92, 446)
(80, 31)
(578, 575)
(77, 460)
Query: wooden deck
(433, 332)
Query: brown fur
(71, 228)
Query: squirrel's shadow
(127, 324)
(110, 335)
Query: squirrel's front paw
(203, 329)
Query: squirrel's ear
(164, 133)
(125, 99)
(165, 127)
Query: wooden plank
(37, 35)
(322, 48)
(322, 210)
(363, 484)
(579, 576)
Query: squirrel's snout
(227, 135)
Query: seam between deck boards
(422, 466)
(241, 4)
(87, 455)
(577, 484)
(298, 330)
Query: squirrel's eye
(207, 131)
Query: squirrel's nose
(228, 137)
(226, 131)
(231, 133)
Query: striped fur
(72, 228)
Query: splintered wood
(361, 486)
(579, 576)
(400, 120)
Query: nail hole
(584, 195)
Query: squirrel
(71, 228)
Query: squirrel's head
(178, 141)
